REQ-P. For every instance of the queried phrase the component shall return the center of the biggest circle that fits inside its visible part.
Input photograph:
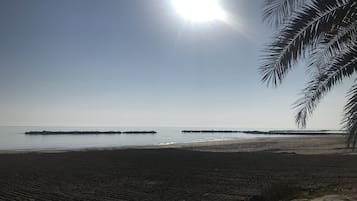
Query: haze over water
(13, 138)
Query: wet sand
(318, 144)
(205, 171)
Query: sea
(14, 138)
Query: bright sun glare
(199, 10)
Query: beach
(225, 170)
(176, 100)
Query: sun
(199, 10)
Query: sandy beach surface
(301, 168)
(317, 144)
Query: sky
(139, 63)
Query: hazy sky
(139, 63)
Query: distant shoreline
(272, 132)
(87, 132)
(258, 132)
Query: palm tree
(323, 33)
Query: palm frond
(325, 32)
(300, 35)
(333, 43)
(350, 118)
(337, 39)
(343, 66)
(276, 11)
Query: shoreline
(315, 144)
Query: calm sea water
(13, 138)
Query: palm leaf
(350, 119)
(276, 11)
(334, 42)
(300, 35)
(343, 66)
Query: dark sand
(171, 174)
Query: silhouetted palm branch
(342, 66)
(276, 11)
(323, 31)
(301, 33)
(332, 43)
(350, 119)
